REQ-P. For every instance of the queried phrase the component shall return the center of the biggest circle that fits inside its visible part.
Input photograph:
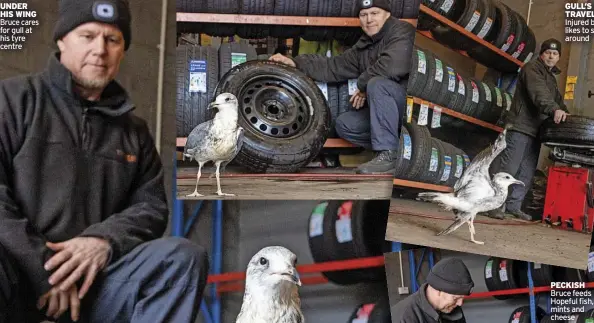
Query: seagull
(475, 191)
(217, 140)
(271, 288)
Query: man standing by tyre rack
(82, 200)
(440, 298)
(536, 98)
(380, 61)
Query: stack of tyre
(344, 230)
(434, 80)
(490, 20)
(427, 159)
(202, 67)
(504, 274)
(406, 9)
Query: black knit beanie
(73, 13)
(550, 43)
(451, 276)
(366, 4)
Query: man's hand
(58, 302)
(282, 59)
(358, 99)
(77, 257)
(560, 115)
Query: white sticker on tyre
(316, 221)
(519, 50)
(448, 167)
(436, 117)
(475, 92)
(423, 115)
(459, 166)
(476, 16)
(489, 269)
(452, 79)
(447, 6)
(422, 62)
(197, 76)
(486, 28)
(438, 71)
(487, 92)
(434, 160)
(508, 43)
(508, 101)
(407, 147)
(352, 86)
(461, 87)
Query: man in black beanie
(380, 62)
(536, 98)
(82, 200)
(440, 298)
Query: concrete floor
(417, 223)
(339, 184)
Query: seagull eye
(227, 100)
(263, 261)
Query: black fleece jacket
(536, 98)
(70, 167)
(387, 54)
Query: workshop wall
(139, 70)
(481, 310)
(252, 225)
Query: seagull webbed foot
(477, 242)
(224, 194)
(195, 194)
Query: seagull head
(273, 267)
(224, 101)
(505, 180)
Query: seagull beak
(213, 105)
(519, 183)
(292, 276)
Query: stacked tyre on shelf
(433, 80)
(266, 91)
(490, 20)
(345, 230)
(406, 9)
(506, 274)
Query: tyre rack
(466, 33)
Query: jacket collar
(114, 99)
(555, 70)
(366, 40)
(424, 305)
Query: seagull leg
(196, 194)
(219, 192)
(472, 232)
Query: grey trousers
(519, 159)
(158, 281)
(377, 125)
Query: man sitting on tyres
(536, 98)
(380, 61)
(82, 198)
(440, 298)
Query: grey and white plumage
(218, 140)
(475, 191)
(271, 288)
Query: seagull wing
(482, 161)
(198, 138)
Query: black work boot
(496, 214)
(519, 214)
(384, 162)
